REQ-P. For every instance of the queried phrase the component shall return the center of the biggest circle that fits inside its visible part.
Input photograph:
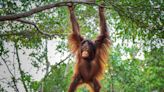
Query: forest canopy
(34, 54)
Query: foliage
(58, 80)
(136, 62)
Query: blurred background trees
(33, 61)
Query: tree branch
(19, 67)
(42, 8)
(57, 65)
(37, 28)
(63, 60)
(13, 77)
(46, 57)
(7, 66)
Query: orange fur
(91, 70)
(102, 57)
(74, 42)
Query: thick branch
(41, 8)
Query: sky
(53, 57)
